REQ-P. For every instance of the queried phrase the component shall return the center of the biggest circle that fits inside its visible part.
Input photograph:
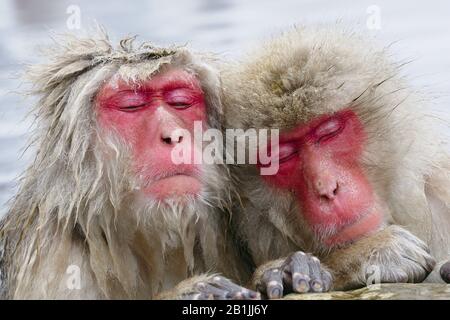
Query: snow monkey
(363, 179)
(104, 212)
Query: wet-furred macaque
(103, 212)
(363, 180)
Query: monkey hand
(210, 287)
(392, 255)
(299, 272)
(405, 258)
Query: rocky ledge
(398, 291)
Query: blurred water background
(418, 31)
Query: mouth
(363, 226)
(173, 184)
(173, 175)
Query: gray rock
(397, 291)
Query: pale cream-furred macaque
(103, 212)
(364, 170)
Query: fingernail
(239, 296)
(275, 293)
(302, 286)
(317, 286)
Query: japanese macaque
(104, 212)
(363, 179)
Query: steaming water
(420, 30)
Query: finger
(327, 280)
(225, 283)
(392, 275)
(445, 272)
(244, 294)
(428, 266)
(272, 283)
(208, 289)
(415, 264)
(315, 272)
(299, 272)
(430, 263)
(234, 291)
(197, 296)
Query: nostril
(172, 139)
(167, 140)
(328, 194)
(335, 191)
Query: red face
(320, 163)
(154, 118)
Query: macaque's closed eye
(317, 132)
(330, 128)
(132, 101)
(127, 101)
(181, 98)
(287, 151)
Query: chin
(364, 226)
(176, 187)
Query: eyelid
(179, 91)
(180, 98)
(132, 107)
(181, 106)
(126, 98)
(329, 128)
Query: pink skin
(149, 117)
(319, 162)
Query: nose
(327, 188)
(321, 175)
(171, 127)
(172, 136)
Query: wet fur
(79, 204)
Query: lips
(174, 174)
(176, 186)
(148, 176)
(365, 225)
